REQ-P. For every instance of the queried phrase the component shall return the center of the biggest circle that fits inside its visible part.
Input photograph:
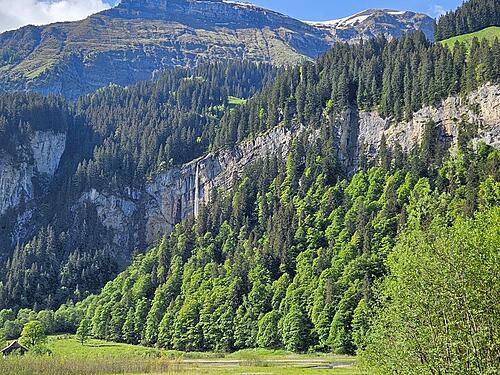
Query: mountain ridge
(371, 22)
(130, 42)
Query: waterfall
(196, 190)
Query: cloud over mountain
(14, 14)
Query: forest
(122, 136)
(473, 15)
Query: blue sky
(330, 9)
(322, 10)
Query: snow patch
(241, 4)
(352, 20)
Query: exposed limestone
(481, 107)
(41, 158)
(178, 193)
(47, 148)
(114, 213)
(15, 183)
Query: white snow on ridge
(241, 3)
(351, 20)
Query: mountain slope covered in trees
(114, 141)
(132, 134)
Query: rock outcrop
(47, 148)
(179, 193)
(481, 108)
(172, 196)
(140, 217)
(16, 183)
(373, 22)
(39, 159)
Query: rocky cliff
(373, 22)
(34, 163)
(140, 217)
(481, 108)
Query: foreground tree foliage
(438, 310)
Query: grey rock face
(15, 183)
(179, 193)
(481, 107)
(41, 158)
(140, 217)
(47, 148)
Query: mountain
(372, 22)
(134, 40)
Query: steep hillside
(130, 42)
(490, 34)
(137, 38)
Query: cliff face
(172, 196)
(179, 193)
(481, 108)
(140, 217)
(135, 218)
(39, 160)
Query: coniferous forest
(396, 262)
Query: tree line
(472, 16)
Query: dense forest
(397, 262)
(116, 138)
(473, 15)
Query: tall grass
(96, 366)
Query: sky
(17, 13)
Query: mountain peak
(368, 23)
(159, 3)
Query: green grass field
(232, 100)
(489, 33)
(69, 357)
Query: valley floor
(69, 357)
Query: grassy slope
(236, 101)
(489, 33)
(101, 357)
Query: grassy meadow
(490, 33)
(69, 357)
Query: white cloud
(17, 13)
(437, 11)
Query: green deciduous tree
(33, 334)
